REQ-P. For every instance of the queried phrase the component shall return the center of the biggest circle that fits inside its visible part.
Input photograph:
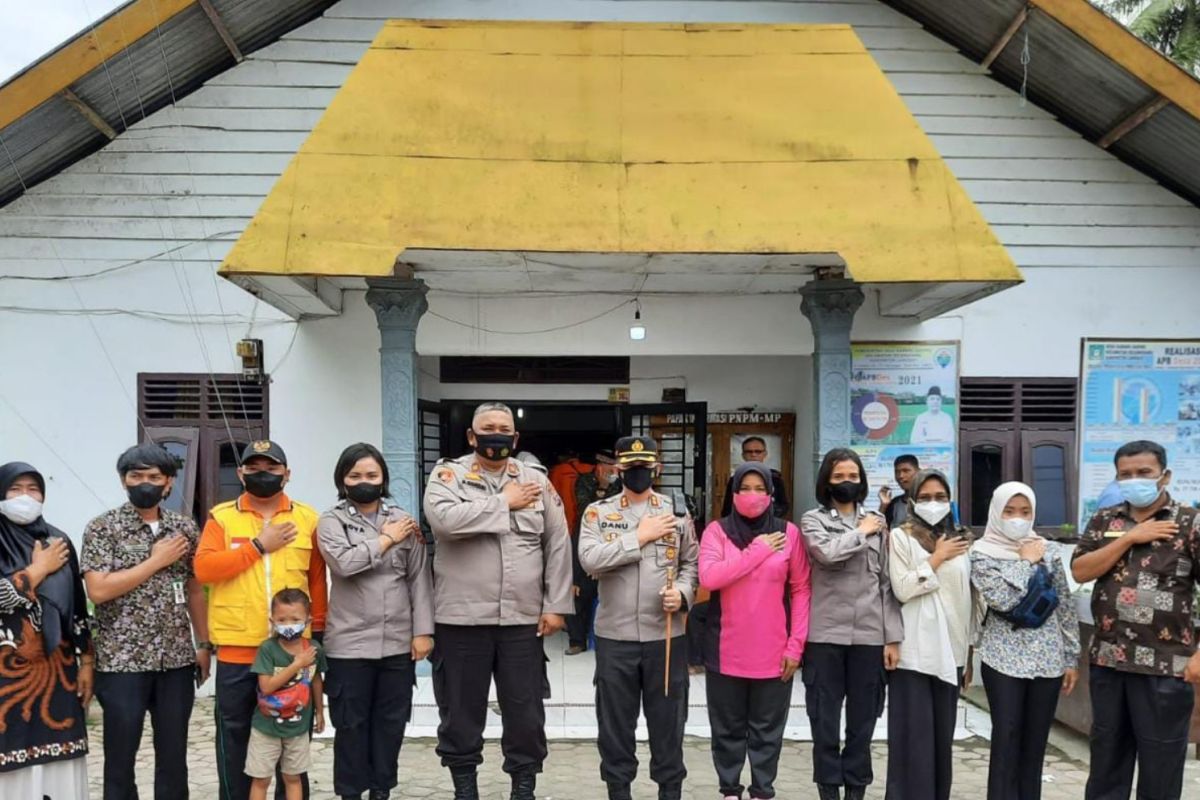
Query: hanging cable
(78, 298)
(37, 435)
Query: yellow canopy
(645, 138)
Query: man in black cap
(251, 548)
(502, 582)
(601, 483)
(644, 555)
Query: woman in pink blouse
(756, 568)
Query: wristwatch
(206, 646)
(262, 551)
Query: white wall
(1105, 252)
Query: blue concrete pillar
(398, 305)
(829, 305)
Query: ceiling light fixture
(637, 331)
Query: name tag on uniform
(180, 595)
(134, 549)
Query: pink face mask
(751, 505)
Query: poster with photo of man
(904, 401)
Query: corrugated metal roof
(1067, 75)
(1088, 89)
(184, 51)
(172, 59)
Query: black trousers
(629, 675)
(579, 624)
(1142, 719)
(747, 717)
(237, 698)
(370, 703)
(853, 674)
(125, 698)
(921, 716)
(465, 660)
(697, 619)
(1022, 713)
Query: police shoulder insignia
(591, 515)
(624, 501)
(513, 469)
(654, 501)
(445, 475)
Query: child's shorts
(264, 752)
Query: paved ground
(572, 770)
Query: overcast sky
(29, 30)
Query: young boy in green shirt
(289, 669)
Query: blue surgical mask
(1140, 492)
(292, 631)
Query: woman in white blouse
(931, 577)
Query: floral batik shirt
(1143, 605)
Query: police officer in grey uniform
(645, 559)
(502, 581)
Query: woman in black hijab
(755, 565)
(45, 648)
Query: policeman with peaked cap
(502, 581)
(645, 559)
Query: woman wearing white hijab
(1024, 668)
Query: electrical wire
(118, 267)
(37, 435)
(554, 329)
(75, 290)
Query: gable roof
(123, 68)
(1086, 68)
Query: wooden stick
(670, 617)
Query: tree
(1170, 26)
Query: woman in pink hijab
(1028, 658)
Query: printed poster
(1138, 390)
(904, 399)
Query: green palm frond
(1170, 26)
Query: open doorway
(556, 431)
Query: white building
(1091, 187)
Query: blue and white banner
(1144, 389)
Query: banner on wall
(1144, 389)
(904, 399)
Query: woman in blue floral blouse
(1024, 669)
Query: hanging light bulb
(637, 331)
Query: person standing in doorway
(1025, 665)
(599, 484)
(1144, 556)
(855, 627)
(502, 582)
(931, 578)
(151, 634)
(933, 425)
(756, 567)
(643, 553)
(754, 448)
(380, 622)
(250, 549)
(895, 509)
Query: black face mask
(495, 446)
(364, 492)
(145, 495)
(263, 484)
(845, 492)
(638, 479)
